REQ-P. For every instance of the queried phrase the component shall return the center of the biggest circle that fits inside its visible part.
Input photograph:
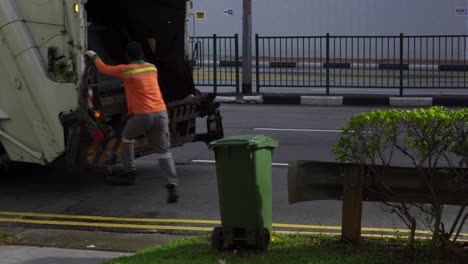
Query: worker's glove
(90, 54)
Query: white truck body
(30, 100)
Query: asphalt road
(369, 80)
(416, 82)
(303, 132)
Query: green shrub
(427, 137)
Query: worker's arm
(116, 71)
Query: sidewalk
(43, 255)
(51, 246)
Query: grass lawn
(286, 249)
(6, 238)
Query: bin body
(243, 168)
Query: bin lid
(251, 141)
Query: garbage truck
(56, 107)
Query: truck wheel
(217, 240)
(3, 168)
(263, 239)
(4, 164)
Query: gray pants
(156, 126)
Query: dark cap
(134, 51)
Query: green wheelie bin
(243, 168)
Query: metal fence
(216, 61)
(362, 62)
(397, 62)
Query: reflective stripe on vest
(139, 70)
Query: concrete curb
(354, 100)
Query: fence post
(352, 204)
(401, 64)
(257, 63)
(327, 63)
(215, 68)
(236, 51)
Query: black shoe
(172, 195)
(124, 178)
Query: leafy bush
(427, 137)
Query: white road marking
(277, 129)
(279, 164)
(213, 162)
(298, 130)
(203, 161)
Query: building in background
(337, 17)
(344, 18)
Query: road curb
(352, 100)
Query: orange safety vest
(141, 85)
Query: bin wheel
(263, 239)
(217, 238)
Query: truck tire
(4, 161)
(3, 167)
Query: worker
(148, 114)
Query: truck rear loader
(55, 106)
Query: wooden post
(352, 204)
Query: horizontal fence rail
(396, 62)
